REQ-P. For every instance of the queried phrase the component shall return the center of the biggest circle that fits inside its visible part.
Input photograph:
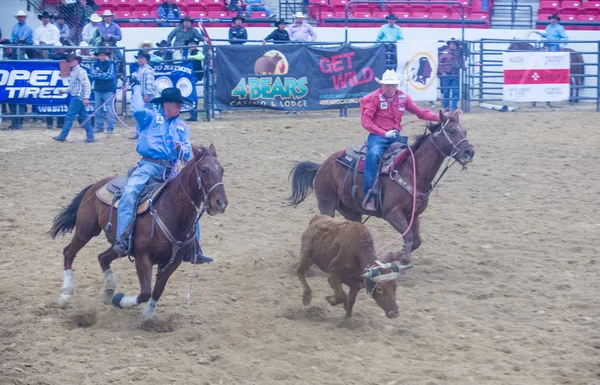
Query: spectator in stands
(22, 34)
(169, 10)
(301, 30)
(46, 34)
(256, 6)
(232, 5)
(105, 85)
(554, 31)
(196, 56)
(279, 35)
(84, 52)
(145, 77)
(450, 64)
(146, 46)
(237, 32)
(91, 33)
(63, 30)
(182, 34)
(111, 33)
(89, 9)
(390, 32)
(80, 90)
(163, 52)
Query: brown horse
(577, 67)
(447, 140)
(198, 187)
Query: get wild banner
(294, 77)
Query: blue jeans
(376, 146)
(552, 47)
(133, 188)
(450, 83)
(253, 8)
(76, 108)
(99, 99)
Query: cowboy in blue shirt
(162, 133)
(554, 31)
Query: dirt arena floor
(505, 289)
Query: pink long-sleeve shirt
(379, 117)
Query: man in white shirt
(46, 34)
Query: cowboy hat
(391, 16)
(453, 40)
(107, 13)
(187, 18)
(143, 54)
(45, 14)
(101, 52)
(163, 43)
(20, 13)
(173, 95)
(279, 22)
(94, 18)
(145, 42)
(299, 15)
(61, 16)
(74, 57)
(554, 16)
(389, 77)
(233, 19)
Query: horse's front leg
(416, 233)
(161, 281)
(397, 219)
(143, 265)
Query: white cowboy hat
(299, 15)
(107, 13)
(144, 43)
(389, 77)
(95, 18)
(21, 13)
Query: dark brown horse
(447, 139)
(198, 186)
(577, 67)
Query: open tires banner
(294, 77)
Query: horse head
(209, 179)
(450, 139)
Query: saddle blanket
(152, 190)
(391, 157)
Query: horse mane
(420, 139)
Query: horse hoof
(63, 300)
(116, 300)
(107, 298)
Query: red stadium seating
(214, 5)
(141, 14)
(570, 7)
(568, 17)
(549, 6)
(198, 14)
(123, 5)
(141, 5)
(439, 8)
(195, 5)
(591, 8)
(589, 18)
(396, 9)
(419, 8)
(379, 14)
(218, 14)
(337, 5)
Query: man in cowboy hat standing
(105, 85)
(91, 34)
(237, 32)
(554, 31)
(450, 64)
(163, 135)
(183, 33)
(144, 76)
(390, 32)
(80, 90)
(47, 33)
(381, 114)
(301, 30)
(279, 35)
(111, 32)
(21, 32)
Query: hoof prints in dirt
(159, 325)
(84, 318)
(312, 313)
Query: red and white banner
(536, 76)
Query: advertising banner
(418, 68)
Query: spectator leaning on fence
(279, 35)
(233, 6)
(80, 90)
(450, 64)
(554, 31)
(105, 85)
(91, 33)
(257, 6)
(145, 77)
(46, 34)
(162, 51)
(390, 32)
(111, 33)
(21, 32)
(182, 34)
(301, 30)
(237, 32)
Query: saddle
(110, 193)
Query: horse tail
(65, 221)
(303, 175)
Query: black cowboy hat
(453, 40)
(195, 41)
(233, 19)
(187, 18)
(280, 21)
(554, 16)
(74, 57)
(144, 54)
(391, 16)
(171, 94)
(163, 43)
(45, 14)
(102, 51)
(60, 16)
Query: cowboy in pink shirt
(381, 114)
(301, 30)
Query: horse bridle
(455, 149)
(201, 187)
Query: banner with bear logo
(295, 77)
